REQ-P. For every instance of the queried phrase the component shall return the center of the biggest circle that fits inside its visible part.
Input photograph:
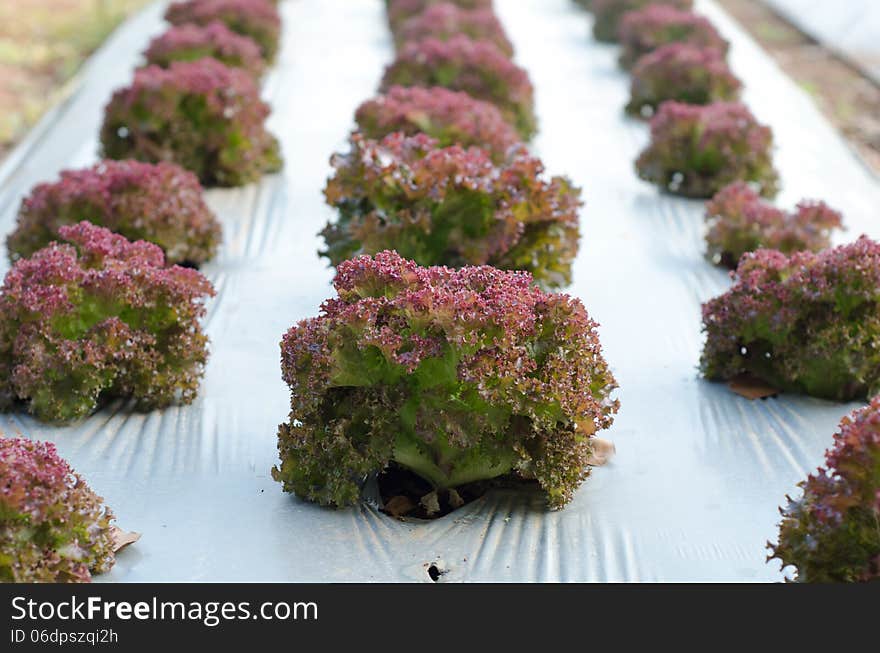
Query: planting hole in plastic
(404, 495)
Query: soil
(847, 97)
(407, 496)
(42, 45)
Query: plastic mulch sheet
(693, 491)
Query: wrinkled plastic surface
(692, 494)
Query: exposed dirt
(42, 45)
(847, 97)
(405, 495)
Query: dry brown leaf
(586, 427)
(399, 506)
(455, 500)
(751, 388)
(431, 503)
(603, 450)
(122, 539)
